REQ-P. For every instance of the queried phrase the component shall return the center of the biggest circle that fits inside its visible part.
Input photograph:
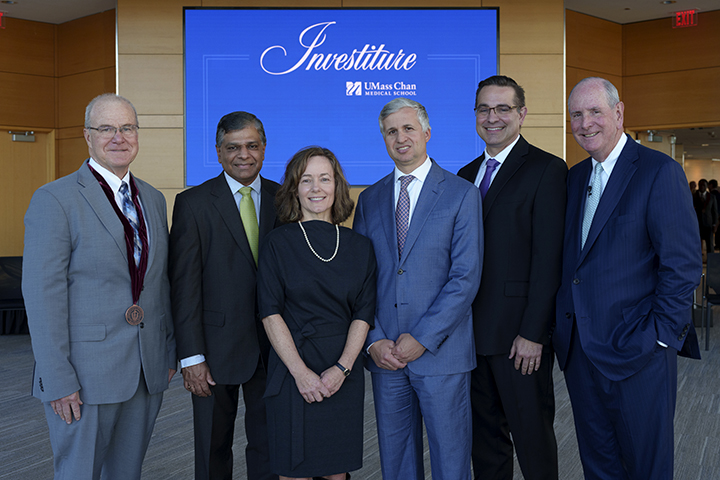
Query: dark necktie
(402, 212)
(489, 169)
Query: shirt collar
(612, 159)
(112, 180)
(503, 154)
(420, 173)
(235, 185)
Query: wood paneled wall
(150, 55)
(85, 69)
(667, 78)
(594, 49)
(672, 76)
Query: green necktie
(249, 219)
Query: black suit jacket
(523, 216)
(213, 276)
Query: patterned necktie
(249, 220)
(402, 212)
(591, 204)
(489, 169)
(128, 208)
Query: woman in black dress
(316, 291)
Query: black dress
(318, 301)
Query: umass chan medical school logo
(369, 89)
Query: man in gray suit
(98, 302)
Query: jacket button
(401, 271)
(568, 315)
(142, 324)
(576, 281)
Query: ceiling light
(668, 2)
(8, 2)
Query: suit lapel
(617, 183)
(225, 204)
(386, 206)
(93, 193)
(429, 195)
(267, 211)
(152, 221)
(512, 163)
(576, 207)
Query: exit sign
(686, 18)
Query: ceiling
(618, 11)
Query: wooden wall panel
(153, 83)
(27, 100)
(152, 27)
(76, 91)
(662, 100)
(654, 47)
(27, 47)
(161, 157)
(573, 152)
(549, 139)
(71, 153)
(541, 76)
(527, 26)
(593, 44)
(86, 44)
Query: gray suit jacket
(76, 287)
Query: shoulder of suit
(269, 185)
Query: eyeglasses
(500, 110)
(108, 131)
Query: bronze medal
(134, 315)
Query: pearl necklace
(337, 243)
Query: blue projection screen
(321, 77)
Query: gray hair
(399, 103)
(237, 121)
(611, 93)
(107, 97)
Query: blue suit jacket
(427, 293)
(632, 283)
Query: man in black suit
(216, 230)
(523, 191)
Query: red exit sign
(686, 18)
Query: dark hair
(235, 121)
(502, 81)
(286, 200)
(713, 184)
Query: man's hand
(68, 406)
(197, 379)
(527, 355)
(171, 374)
(407, 348)
(382, 355)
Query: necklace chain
(337, 243)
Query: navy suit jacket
(429, 291)
(632, 283)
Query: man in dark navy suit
(631, 262)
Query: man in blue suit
(631, 262)
(426, 227)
